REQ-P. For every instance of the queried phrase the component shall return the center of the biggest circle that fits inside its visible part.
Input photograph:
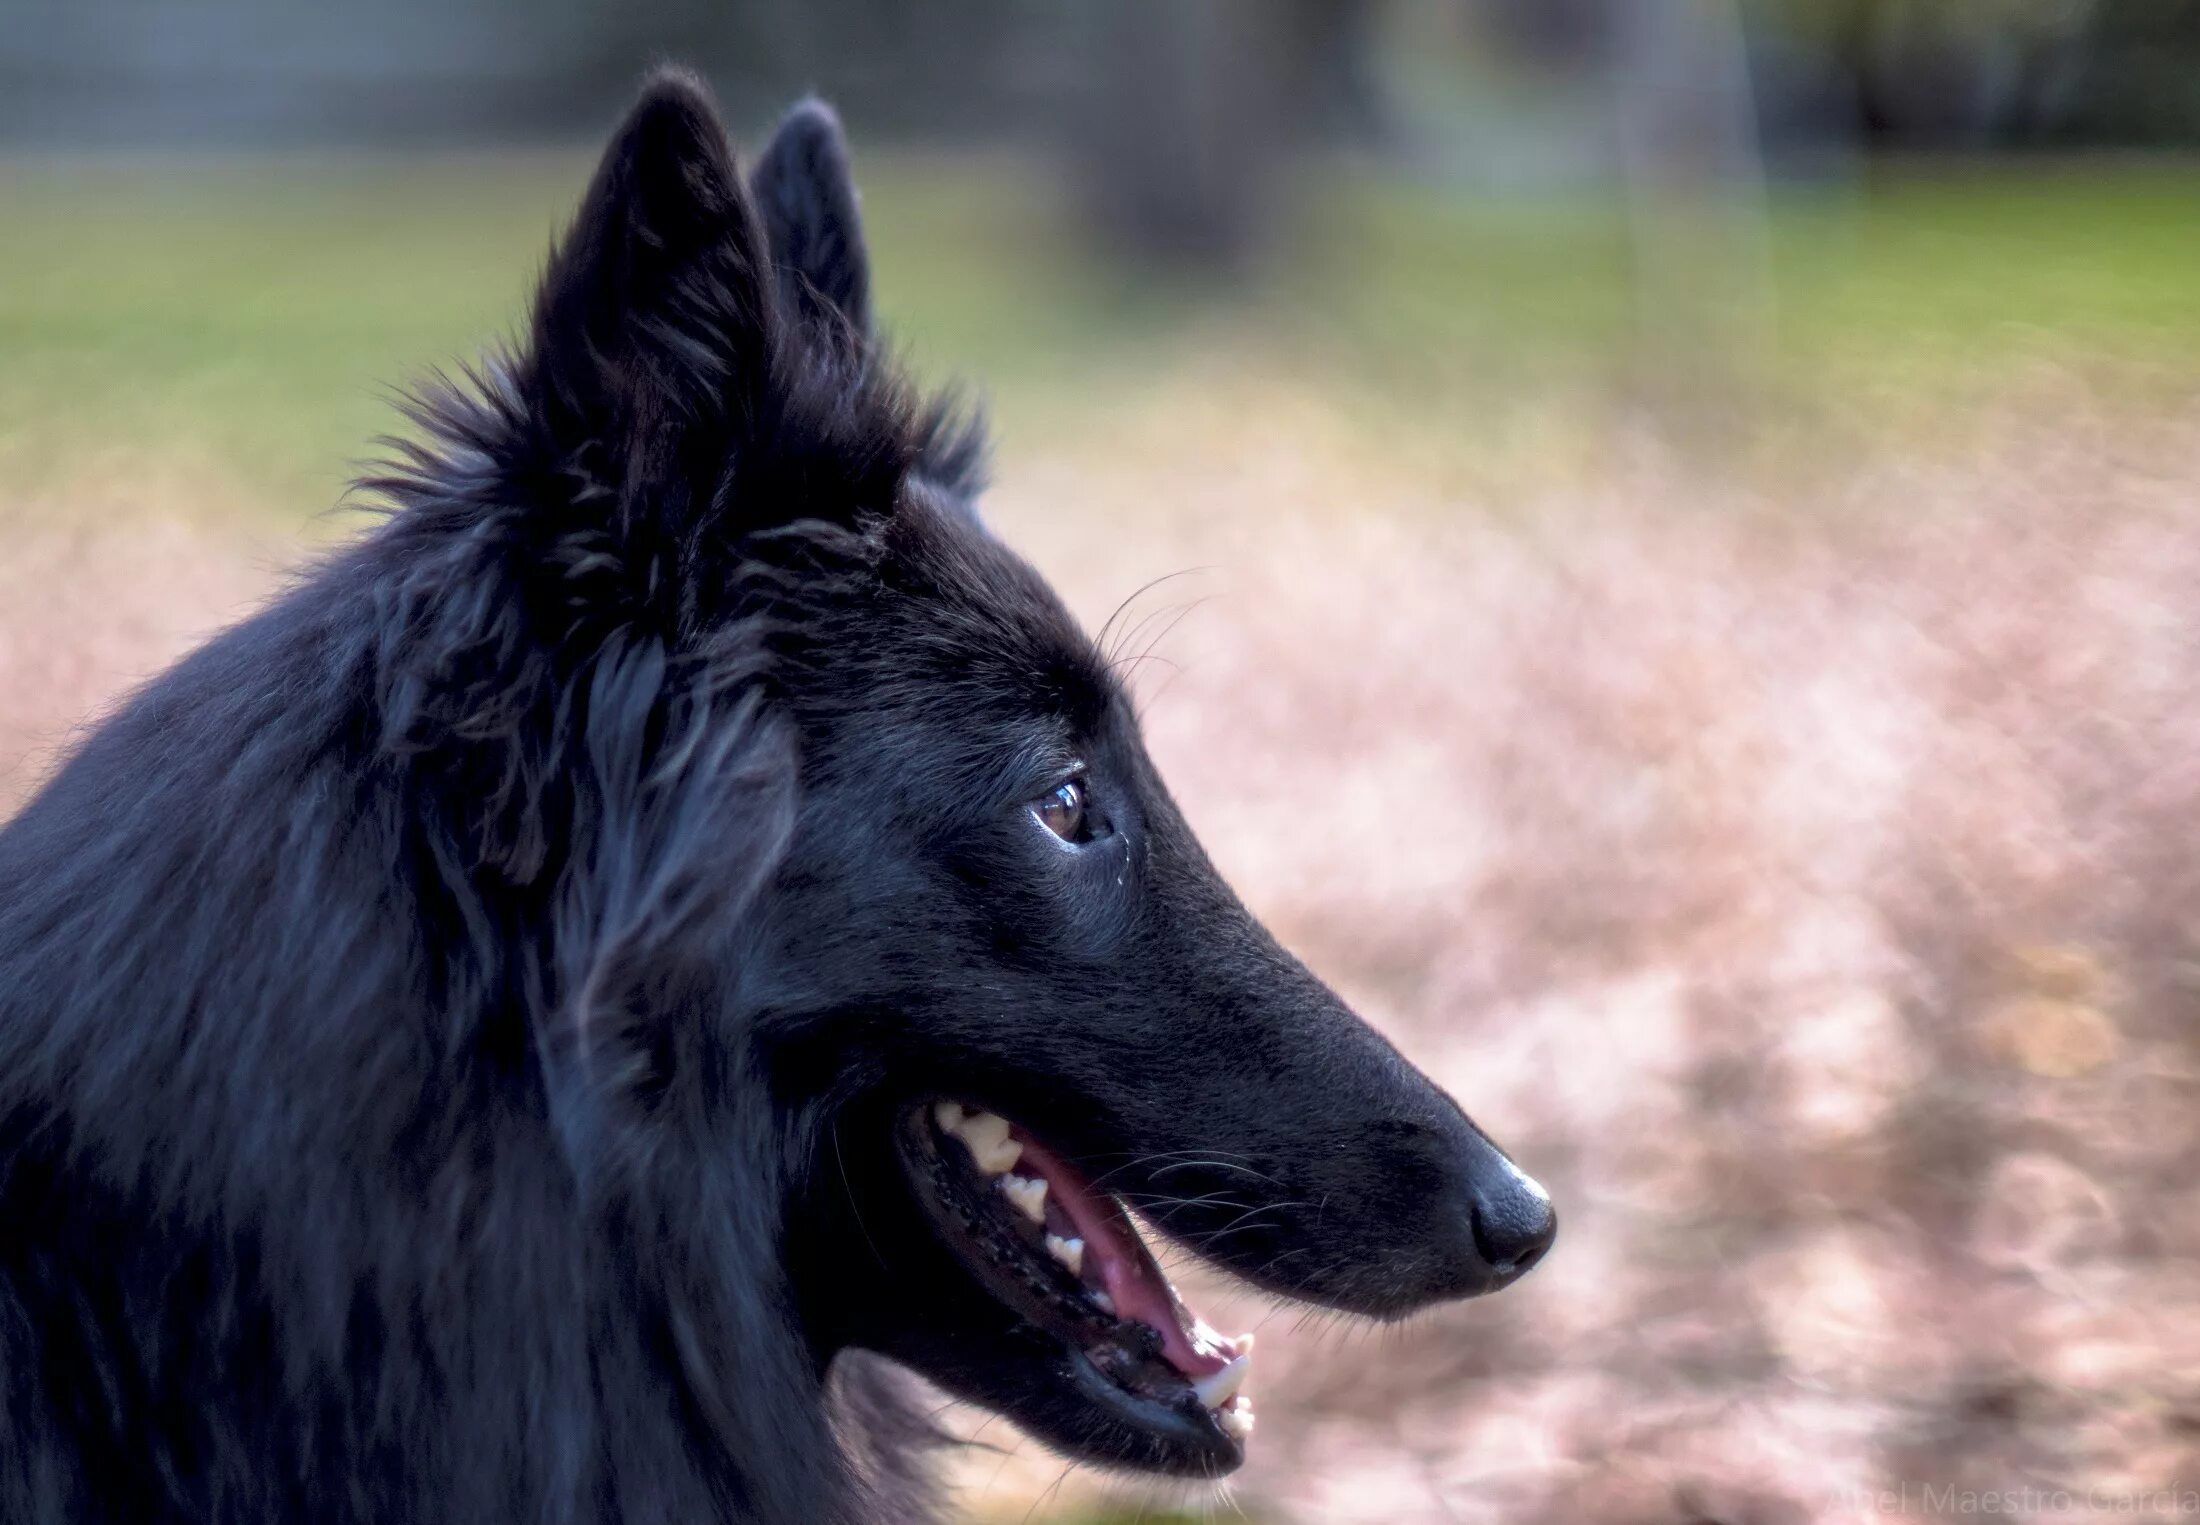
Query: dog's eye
(1063, 811)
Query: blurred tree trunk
(1962, 76)
(1686, 124)
(1191, 109)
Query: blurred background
(1686, 523)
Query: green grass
(1955, 269)
(247, 312)
(252, 313)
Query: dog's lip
(1191, 1429)
(1148, 1359)
(1130, 1276)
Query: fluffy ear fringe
(689, 806)
(623, 810)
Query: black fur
(452, 1026)
(808, 200)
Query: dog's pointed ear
(808, 201)
(657, 309)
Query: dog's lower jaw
(1127, 1374)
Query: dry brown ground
(1799, 883)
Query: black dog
(481, 1038)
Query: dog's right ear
(807, 198)
(655, 318)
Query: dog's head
(869, 822)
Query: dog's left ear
(807, 199)
(656, 318)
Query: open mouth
(1065, 1258)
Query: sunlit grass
(252, 314)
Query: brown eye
(1063, 811)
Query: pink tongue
(1127, 1272)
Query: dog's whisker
(1152, 1201)
(1176, 619)
(1100, 639)
(855, 1205)
(1214, 1165)
(1152, 617)
(1052, 1489)
(1175, 1159)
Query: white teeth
(1209, 1341)
(992, 1148)
(1071, 1252)
(984, 1134)
(1217, 1388)
(1029, 1193)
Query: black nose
(1513, 1220)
